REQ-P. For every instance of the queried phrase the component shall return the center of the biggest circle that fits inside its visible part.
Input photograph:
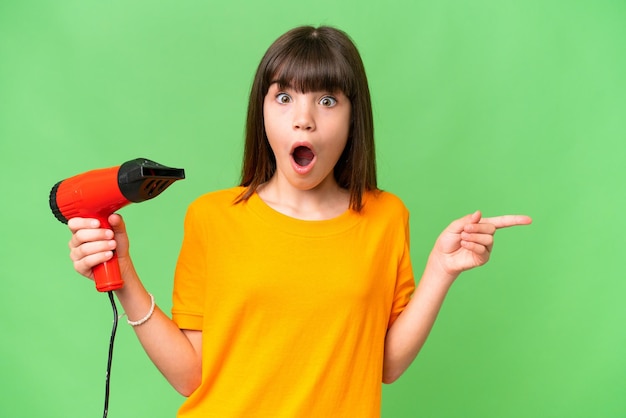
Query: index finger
(81, 223)
(506, 221)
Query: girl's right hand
(91, 245)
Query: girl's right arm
(176, 353)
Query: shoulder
(216, 202)
(380, 201)
(218, 197)
(384, 211)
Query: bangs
(311, 65)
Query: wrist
(146, 317)
(435, 268)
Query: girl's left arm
(466, 243)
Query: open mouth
(303, 156)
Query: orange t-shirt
(293, 313)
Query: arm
(466, 243)
(176, 353)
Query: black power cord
(110, 359)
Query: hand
(467, 242)
(91, 245)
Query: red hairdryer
(99, 193)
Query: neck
(326, 201)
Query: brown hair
(313, 59)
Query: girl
(294, 293)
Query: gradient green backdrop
(504, 106)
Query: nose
(303, 118)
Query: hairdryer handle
(107, 275)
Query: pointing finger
(506, 221)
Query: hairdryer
(99, 193)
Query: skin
(321, 121)
(465, 244)
(176, 353)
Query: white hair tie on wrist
(145, 318)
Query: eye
(328, 101)
(283, 98)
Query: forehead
(311, 70)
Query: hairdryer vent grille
(142, 179)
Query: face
(307, 133)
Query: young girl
(294, 293)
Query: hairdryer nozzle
(143, 179)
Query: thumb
(456, 227)
(121, 237)
(117, 224)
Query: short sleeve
(190, 276)
(405, 281)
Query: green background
(504, 106)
